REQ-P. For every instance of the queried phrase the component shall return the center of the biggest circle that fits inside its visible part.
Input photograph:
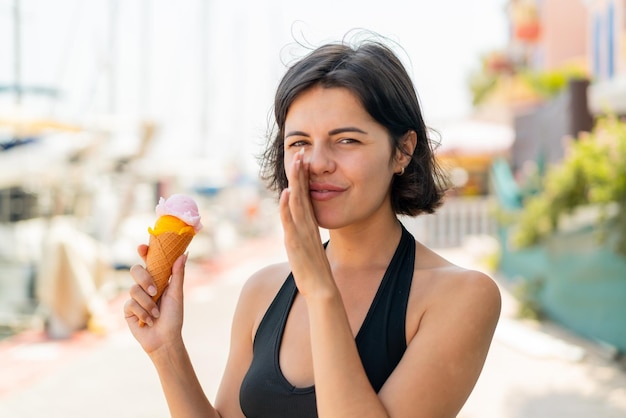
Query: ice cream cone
(177, 223)
(164, 249)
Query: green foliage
(545, 84)
(548, 84)
(484, 80)
(527, 292)
(480, 85)
(593, 173)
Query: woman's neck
(364, 247)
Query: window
(610, 28)
(596, 34)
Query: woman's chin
(330, 223)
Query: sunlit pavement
(532, 371)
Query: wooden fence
(458, 219)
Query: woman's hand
(305, 251)
(155, 325)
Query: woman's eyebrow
(346, 129)
(296, 133)
(331, 132)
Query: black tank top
(381, 342)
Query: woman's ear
(405, 150)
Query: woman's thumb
(178, 276)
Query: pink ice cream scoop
(177, 223)
(182, 207)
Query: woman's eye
(348, 140)
(297, 144)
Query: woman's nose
(321, 159)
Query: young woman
(368, 324)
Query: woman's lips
(323, 191)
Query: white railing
(458, 219)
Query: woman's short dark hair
(376, 76)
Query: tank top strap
(276, 314)
(381, 341)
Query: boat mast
(111, 69)
(204, 76)
(17, 51)
(145, 63)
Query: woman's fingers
(142, 250)
(144, 307)
(141, 304)
(305, 251)
(302, 202)
(143, 279)
(299, 203)
(133, 311)
(144, 300)
(297, 215)
(175, 287)
(285, 213)
(286, 195)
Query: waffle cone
(163, 251)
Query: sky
(206, 70)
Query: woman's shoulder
(261, 287)
(267, 279)
(443, 273)
(453, 312)
(475, 287)
(444, 283)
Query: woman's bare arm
(158, 330)
(445, 357)
(442, 362)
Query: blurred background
(107, 105)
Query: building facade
(549, 34)
(607, 55)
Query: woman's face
(349, 152)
